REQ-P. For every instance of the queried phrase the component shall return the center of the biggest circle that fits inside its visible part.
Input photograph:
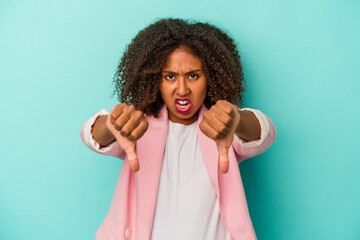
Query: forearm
(248, 128)
(101, 133)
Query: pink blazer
(133, 205)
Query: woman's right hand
(127, 125)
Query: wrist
(239, 127)
(248, 128)
(101, 132)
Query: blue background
(301, 60)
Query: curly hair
(137, 79)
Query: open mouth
(183, 105)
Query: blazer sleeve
(113, 149)
(250, 149)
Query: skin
(182, 77)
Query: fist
(130, 123)
(127, 125)
(219, 124)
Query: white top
(187, 206)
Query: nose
(182, 88)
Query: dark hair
(138, 75)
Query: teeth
(183, 102)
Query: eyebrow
(174, 73)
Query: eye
(193, 76)
(170, 77)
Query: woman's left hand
(219, 123)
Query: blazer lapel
(210, 153)
(150, 149)
(232, 200)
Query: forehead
(182, 58)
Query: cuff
(264, 125)
(88, 136)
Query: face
(183, 86)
